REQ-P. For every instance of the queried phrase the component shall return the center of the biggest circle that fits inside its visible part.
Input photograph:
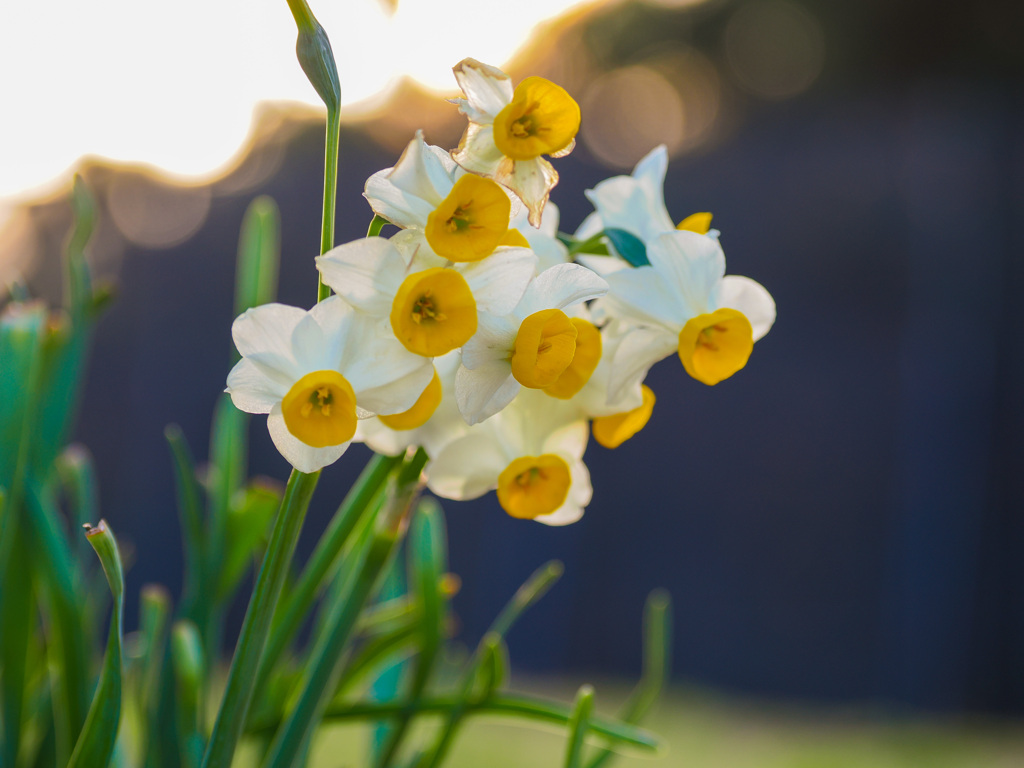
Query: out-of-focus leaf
(189, 673)
(154, 611)
(578, 724)
(22, 330)
(259, 254)
(95, 744)
(191, 517)
(656, 669)
(629, 246)
(17, 625)
(246, 530)
(78, 279)
(492, 671)
(76, 471)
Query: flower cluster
(472, 334)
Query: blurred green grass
(710, 730)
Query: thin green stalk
(251, 641)
(529, 707)
(333, 140)
(296, 604)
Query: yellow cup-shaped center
(544, 347)
(433, 312)
(320, 409)
(471, 222)
(534, 485)
(696, 222)
(541, 119)
(421, 410)
(612, 431)
(713, 347)
(584, 361)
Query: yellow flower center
(320, 409)
(612, 431)
(583, 363)
(713, 347)
(696, 222)
(421, 410)
(541, 119)
(544, 347)
(433, 312)
(534, 485)
(471, 222)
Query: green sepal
(376, 225)
(95, 744)
(628, 246)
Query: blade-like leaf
(579, 722)
(95, 744)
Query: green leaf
(18, 623)
(428, 562)
(657, 642)
(579, 722)
(629, 246)
(154, 611)
(251, 641)
(259, 254)
(95, 744)
(78, 279)
(22, 330)
(189, 673)
(247, 527)
(492, 671)
(75, 467)
(295, 605)
(190, 515)
(532, 590)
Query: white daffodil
(456, 215)
(432, 423)
(431, 309)
(315, 373)
(543, 240)
(683, 302)
(531, 454)
(510, 130)
(532, 346)
(636, 203)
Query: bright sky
(173, 84)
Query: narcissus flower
(458, 216)
(510, 131)
(531, 454)
(683, 302)
(314, 373)
(531, 346)
(636, 203)
(432, 423)
(431, 309)
(543, 240)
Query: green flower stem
(324, 668)
(295, 606)
(330, 191)
(529, 707)
(251, 641)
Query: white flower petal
(266, 329)
(693, 264)
(251, 390)
(488, 90)
(483, 391)
(366, 273)
(639, 350)
(559, 287)
(494, 339)
(408, 193)
(477, 151)
(642, 295)
(499, 281)
(389, 442)
(752, 299)
(466, 468)
(570, 440)
(304, 458)
(386, 377)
